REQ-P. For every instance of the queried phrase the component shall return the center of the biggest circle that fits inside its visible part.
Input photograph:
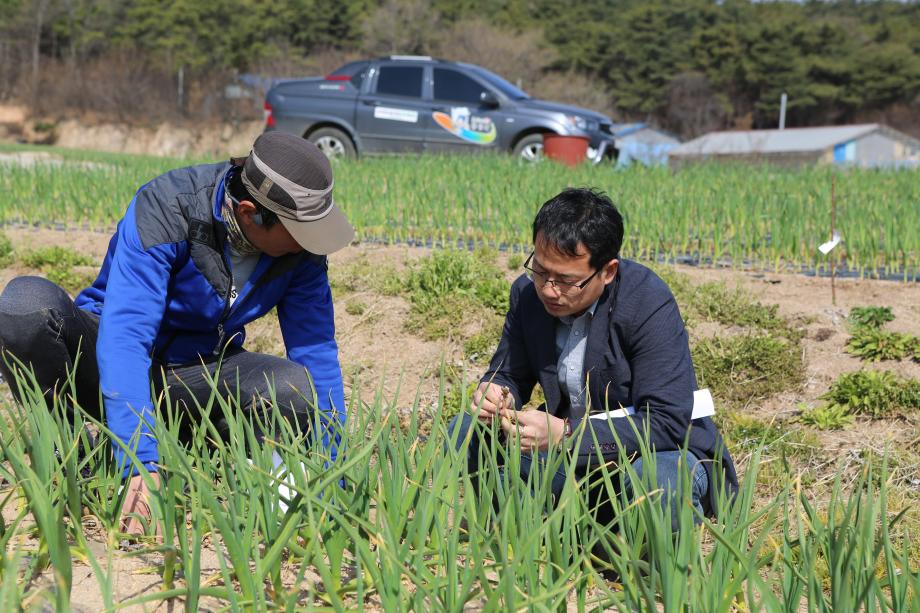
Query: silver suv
(413, 104)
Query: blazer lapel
(598, 353)
(542, 330)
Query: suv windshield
(355, 70)
(499, 83)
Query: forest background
(688, 66)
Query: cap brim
(323, 236)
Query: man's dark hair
(581, 215)
(240, 193)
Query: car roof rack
(426, 58)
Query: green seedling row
(740, 215)
(398, 524)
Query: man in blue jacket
(597, 333)
(200, 252)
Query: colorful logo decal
(478, 130)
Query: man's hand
(489, 399)
(136, 510)
(537, 429)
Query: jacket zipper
(223, 318)
(220, 325)
(221, 334)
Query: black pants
(42, 328)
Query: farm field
(742, 216)
(830, 459)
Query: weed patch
(72, 281)
(733, 307)
(736, 307)
(874, 344)
(480, 347)
(6, 250)
(902, 465)
(827, 417)
(57, 264)
(871, 316)
(363, 274)
(738, 369)
(874, 393)
(745, 432)
(355, 307)
(54, 257)
(870, 342)
(448, 286)
(458, 392)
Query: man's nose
(549, 289)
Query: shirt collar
(570, 319)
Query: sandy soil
(376, 350)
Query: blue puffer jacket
(163, 291)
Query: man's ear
(609, 271)
(245, 211)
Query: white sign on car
(394, 114)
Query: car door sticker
(478, 130)
(387, 112)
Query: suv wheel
(529, 148)
(333, 142)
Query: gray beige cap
(291, 177)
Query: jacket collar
(598, 351)
(219, 190)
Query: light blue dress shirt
(571, 343)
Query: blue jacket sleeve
(135, 300)
(308, 328)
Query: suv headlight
(574, 121)
(580, 123)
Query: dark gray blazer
(637, 355)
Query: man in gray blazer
(597, 333)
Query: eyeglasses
(541, 279)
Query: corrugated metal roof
(773, 141)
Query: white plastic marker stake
(825, 248)
(703, 406)
(835, 240)
(284, 487)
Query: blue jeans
(667, 467)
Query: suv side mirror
(488, 99)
